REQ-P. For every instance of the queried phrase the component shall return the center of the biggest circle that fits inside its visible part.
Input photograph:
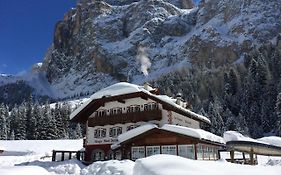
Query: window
(216, 153)
(115, 111)
(186, 151)
(115, 131)
(206, 152)
(132, 127)
(152, 150)
(145, 107)
(199, 152)
(169, 149)
(153, 106)
(101, 113)
(150, 106)
(100, 133)
(119, 111)
(137, 152)
(129, 109)
(137, 108)
(211, 153)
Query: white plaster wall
(181, 120)
(178, 119)
(109, 140)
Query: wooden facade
(157, 137)
(131, 117)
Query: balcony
(131, 117)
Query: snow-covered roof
(236, 136)
(2, 148)
(172, 102)
(271, 140)
(196, 133)
(123, 88)
(133, 133)
(113, 90)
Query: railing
(61, 155)
(131, 117)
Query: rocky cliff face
(98, 42)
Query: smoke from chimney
(144, 60)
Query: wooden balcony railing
(131, 117)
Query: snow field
(27, 157)
(175, 165)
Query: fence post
(54, 156)
(62, 156)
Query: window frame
(100, 133)
(154, 150)
(189, 151)
(163, 151)
(137, 152)
(115, 131)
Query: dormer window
(133, 108)
(119, 111)
(115, 111)
(137, 108)
(101, 113)
(150, 106)
(153, 106)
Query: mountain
(224, 55)
(102, 42)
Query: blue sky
(26, 31)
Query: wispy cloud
(4, 65)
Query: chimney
(179, 99)
(147, 86)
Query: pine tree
(65, 112)
(78, 132)
(48, 126)
(230, 120)
(20, 128)
(30, 120)
(3, 123)
(217, 124)
(59, 121)
(233, 82)
(37, 115)
(13, 122)
(242, 125)
(278, 112)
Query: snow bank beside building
(39, 146)
(23, 170)
(174, 165)
(111, 167)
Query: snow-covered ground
(33, 157)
